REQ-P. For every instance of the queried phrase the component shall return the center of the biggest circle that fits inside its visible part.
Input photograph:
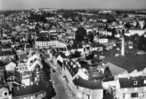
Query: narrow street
(62, 91)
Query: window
(135, 83)
(133, 95)
(144, 81)
(5, 93)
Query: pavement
(62, 90)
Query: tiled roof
(91, 84)
(128, 63)
(132, 82)
(43, 39)
(2, 64)
(5, 53)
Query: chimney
(122, 46)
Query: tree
(127, 25)
(90, 36)
(107, 74)
(142, 43)
(80, 34)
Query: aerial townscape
(72, 54)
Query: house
(131, 32)
(6, 47)
(6, 55)
(103, 40)
(132, 88)
(85, 84)
(89, 89)
(27, 67)
(129, 74)
(22, 67)
(2, 73)
(4, 93)
(11, 67)
(104, 32)
(26, 79)
(59, 46)
(41, 43)
(124, 64)
(5, 40)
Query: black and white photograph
(72, 49)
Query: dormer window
(135, 83)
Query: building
(6, 55)
(4, 93)
(5, 41)
(105, 33)
(2, 73)
(131, 32)
(124, 64)
(59, 46)
(32, 84)
(103, 40)
(41, 43)
(132, 88)
(89, 89)
(83, 83)
(129, 73)
(6, 47)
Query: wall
(125, 93)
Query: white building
(132, 88)
(4, 93)
(4, 55)
(81, 86)
(131, 32)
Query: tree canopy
(80, 34)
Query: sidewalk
(62, 91)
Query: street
(62, 91)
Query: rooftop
(132, 82)
(95, 77)
(128, 63)
(91, 84)
(5, 53)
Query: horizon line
(76, 9)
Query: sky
(0, 4)
(67, 4)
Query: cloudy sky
(119, 4)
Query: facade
(105, 33)
(26, 76)
(48, 44)
(2, 76)
(59, 46)
(135, 31)
(83, 89)
(6, 48)
(86, 93)
(103, 40)
(5, 41)
(132, 88)
(126, 63)
(39, 95)
(22, 67)
(6, 55)
(41, 44)
(32, 85)
(4, 93)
